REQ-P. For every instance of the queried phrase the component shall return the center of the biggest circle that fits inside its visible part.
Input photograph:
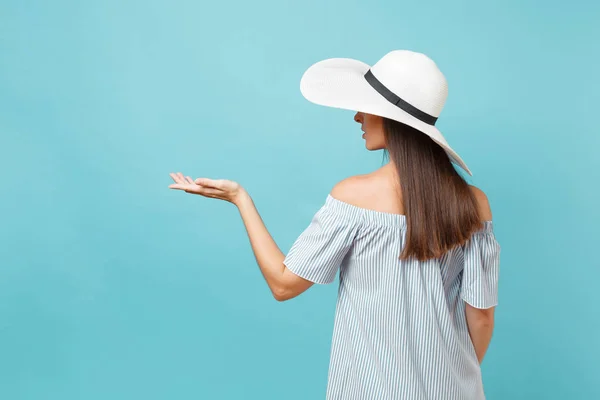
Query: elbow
(288, 287)
(281, 299)
(281, 293)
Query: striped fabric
(400, 330)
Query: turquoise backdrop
(112, 286)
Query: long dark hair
(441, 209)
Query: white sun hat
(403, 85)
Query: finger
(209, 183)
(203, 182)
(177, 178)
(174, 177)
(189, 180)
(219, 184)
(206, 192)
(177, 186)
(181, 177)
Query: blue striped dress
(400, 330)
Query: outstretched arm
(283, 283)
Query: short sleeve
(481, 269)
(318, 252)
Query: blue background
(112, 286)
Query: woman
(417, 257)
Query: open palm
(222, 189)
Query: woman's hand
(217, 189)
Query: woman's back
(400, 329)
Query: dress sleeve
(320, 249)
(481, 269)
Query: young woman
(413, 242)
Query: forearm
(267, 254)
(480, 330)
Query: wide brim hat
(403, 85)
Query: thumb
(203, 182)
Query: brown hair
(441, 209)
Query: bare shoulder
(351, 190)
(372, 191)
(483, 203)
